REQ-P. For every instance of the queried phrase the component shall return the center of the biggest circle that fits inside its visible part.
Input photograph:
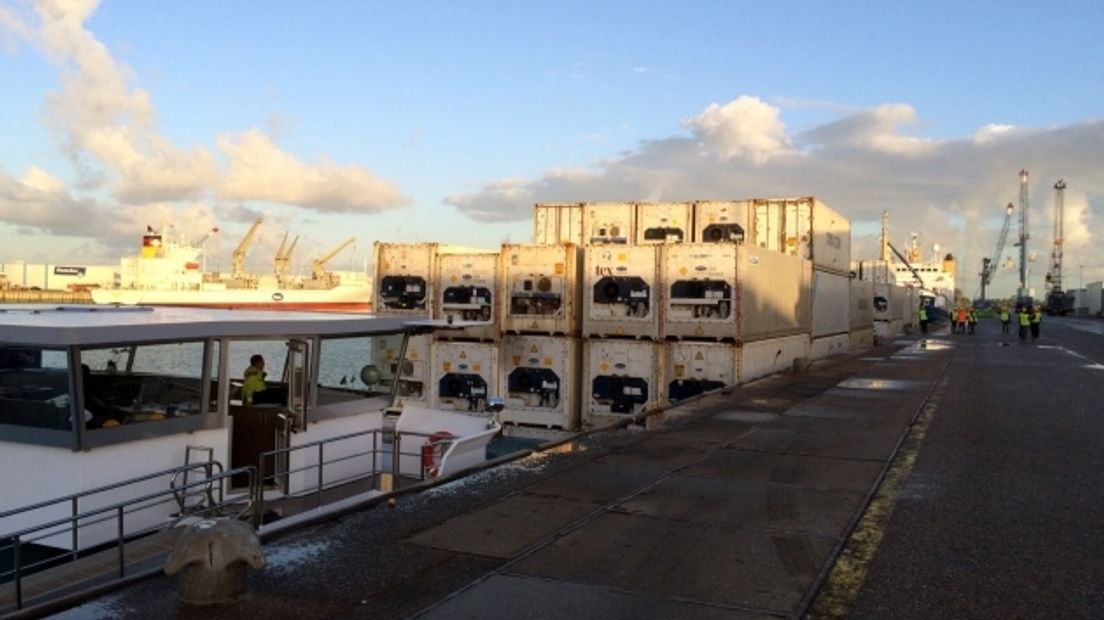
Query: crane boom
(243, 247)
(320, 262)
(989, 265)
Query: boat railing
(212, 486)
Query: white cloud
(990, 132)
(874, 130)
(745, 128)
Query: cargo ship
(169, 273)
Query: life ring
(433, 450)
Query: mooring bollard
(211, 559)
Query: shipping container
(729, 292)
(876, 271)
(804, 227)
(889, 302)
(541, 381)
(888, 330)
(722, 221)
(664, 222)
(609, 222)
(694, 368)
(1094, 296)
(468, 290)
(1080, 303)
(464, 375)
(831, 303)
(404, 277)
(621, 378)
(556, 223)
(862, 338)
(862, 304)
(621, 291)
(825, 346)
(765, 357)
(413, 372)
(541, 289)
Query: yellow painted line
(838, 594)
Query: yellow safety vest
(1025, 319)
(1037, 317)
(1004, 316)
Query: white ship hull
(338, 299)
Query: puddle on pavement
(860, 383)
(745, 416)
(872, 359)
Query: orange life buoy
(433, 450)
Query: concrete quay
(952, 476)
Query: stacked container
(764, 357)
(1094, 298)
(664, 222)
(622, 378)
(621, 292)
(412, 373)
(464, 375)
(555, 223)
(861, 334)
(404, 277)
(541, 289)
(540, 379)
(723, 221)
(609, 222)
(831, 310)
(694, 368)
(467, 289)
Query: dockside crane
(1023, 292)
(283, 257)
(1057, 301)
(320, 262)
(989, 265)
(243, 247)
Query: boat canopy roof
(64, 326)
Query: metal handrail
(119, 511)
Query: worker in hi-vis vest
(1036, 323)
(922, 314)
(1005, 318)
(1024, 316)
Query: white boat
(168, 272)
(154, 389)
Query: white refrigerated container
(698, 291)
(1094, 297)
(404, 274)
(609, 222)
(831, 303)
(694, 368)
(723, 221)
(621, 291)
(464, 375)
(468, 289)
(765, 357)
(664, 222)
(824, 346)
(621, 378)
(774, 292)
(804, 227)
(540, 381)
(862, 304)
(541, 289)
(862, 338)
(412, 373)
(558, 222)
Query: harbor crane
(320, 262)
(1057, 300)
(283, 257)
(243, 247)
(1023, 293)
(989, 265)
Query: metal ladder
(204, 494)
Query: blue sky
(446, 120)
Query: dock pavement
(938, 476)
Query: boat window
(34, 388)
(145, 383)
(351, 366)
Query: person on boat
(98, 412)
(254, 379)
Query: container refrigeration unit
(541, 289)
(403, 278)
(411, 372)
(468, 290)
(663, 222)
(694, 368)
(609, 222)
(622, 378)
(539, 378)
(558, 222)
(464, 375)
(722, 221)
(621, 292)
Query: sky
(446, 121)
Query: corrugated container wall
(664, 222)
(774, 292)
(541, 381)
(413, 373)
(862, 304)
(824, 346)
(699, 291)
(722, 221)
(621, 291)
(767, 224)
(1094, 296)
(875, 271)
(555, 223)
(694, 368)
(621, 378)
(862, 338)
(808, 228)
(763, 357)
(464, 375)
(831, 303)
(609, 222)
(468, 289)
(404, 278)
(541, 289)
